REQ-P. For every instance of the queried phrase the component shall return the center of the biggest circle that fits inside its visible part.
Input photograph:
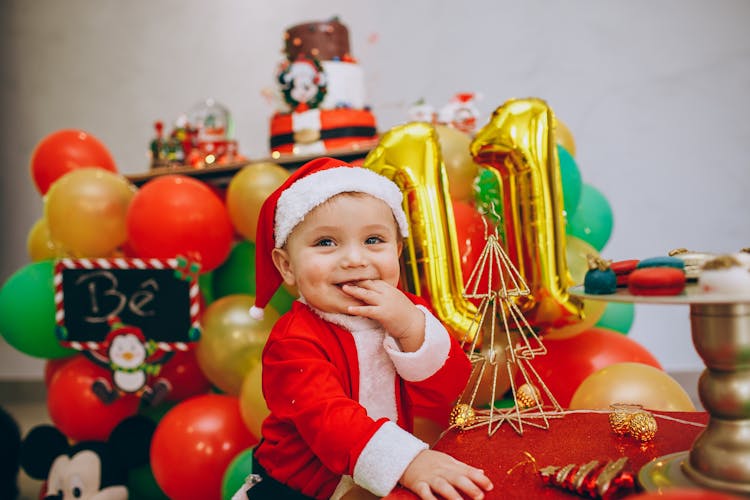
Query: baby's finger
(446, 490)
(373, 285)
(358, 292)
(423, 490)
(469, 487)
(364, 311)
(478, 477)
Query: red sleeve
(435, 396)
(303, 386)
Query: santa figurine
(461, 112)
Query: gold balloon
(565, 137)
(431, 262)
(459, 165)
(518, 146)
(39, 244)
(247, 191)
(231, 342)
(576, 251)
(253, 407)
(635, 383)
(85, 210)
(490, 381)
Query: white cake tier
(346, 87)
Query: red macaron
(656, 281)
(622, 269)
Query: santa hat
(309, 186)
(118, 328)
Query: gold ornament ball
(642, 426)
(462, 416)
(527, 396)
(620, 415)
(619, 422)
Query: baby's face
(349, 238)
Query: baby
(344, 369)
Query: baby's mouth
(351, 282)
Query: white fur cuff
(429, 358)
(385, 458)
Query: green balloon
(27, 312)
(142, 484)
(236, 472)
(593, 219)
(282, 300)
(618, 316)
(206, 286)
(489, 199)
(572, 184)
(488, 195)
(236, 275)
(155, 413)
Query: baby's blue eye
(372, 240)
(325, 242)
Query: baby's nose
(354, 256)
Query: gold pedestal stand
(720, 456)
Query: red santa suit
(341, 396)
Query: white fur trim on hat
(310, 191)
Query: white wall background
(656, 93)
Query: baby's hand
(434, 472)
(387, 305)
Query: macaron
(662, 261)
(600, 279)
(622, 269)
(656, 281)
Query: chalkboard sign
(159, 296)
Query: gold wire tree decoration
(489, 350)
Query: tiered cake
(321, 105)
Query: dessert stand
(720, 456)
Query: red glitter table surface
(575, 438)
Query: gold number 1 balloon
(410, 156)
(518, 145)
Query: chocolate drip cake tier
(322, 40)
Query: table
(577, 437)
(720, 329)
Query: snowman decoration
(130, 357)
(303, 84)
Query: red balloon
(570, 360)
(471, 232)
(177, 215)
(51, 367)
(195, 442)
(185, 375)
(66, 150)
(76, 410)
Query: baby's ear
(281, 260)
